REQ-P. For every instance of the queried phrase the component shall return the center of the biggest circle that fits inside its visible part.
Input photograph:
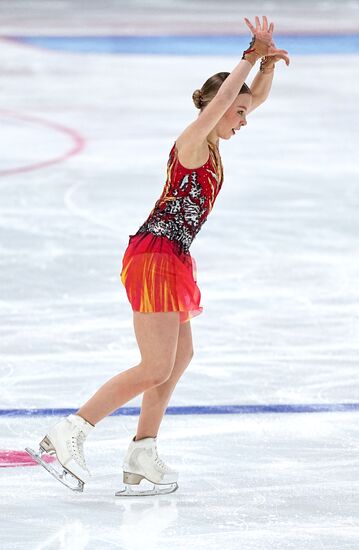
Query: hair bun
(197, 98)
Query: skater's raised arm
(262, 82)
(260, 46)
(261, 87)
(198, 130)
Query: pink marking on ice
(13, 458)
(78, 143)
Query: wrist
(255, 51)
(267, 65)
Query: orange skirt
(157, 279)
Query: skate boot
(65, 440)
(143, 463)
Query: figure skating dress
(158, 271)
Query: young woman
(159, 275)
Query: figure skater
(159, 275)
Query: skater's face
(235, 117)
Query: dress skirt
(159, 279)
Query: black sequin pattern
(183, 207)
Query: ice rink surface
(86, 133)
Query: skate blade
(64, 476)
(157, 489)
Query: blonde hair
(203, 96)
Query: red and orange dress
(158, 271)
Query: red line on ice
(78, 143)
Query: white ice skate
(143, 463)
(65, 440)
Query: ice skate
(65, 440)
(142, 464)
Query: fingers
(285, 58)
(265, 25)
(279, 54)
(249, 24)
(260, 28)
(275, 51)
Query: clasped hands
(264, 34)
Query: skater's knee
(186, 357)
(159, 377)
(157, 373)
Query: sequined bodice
(186, 200)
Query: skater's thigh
(157, 337)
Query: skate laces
(160, 462)
(76, 447)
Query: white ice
(278, 268)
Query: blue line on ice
(209, 409)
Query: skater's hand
(263, 33)
(276, 54)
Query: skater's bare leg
(155, 400)
(157, 337)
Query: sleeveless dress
(158, 271)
